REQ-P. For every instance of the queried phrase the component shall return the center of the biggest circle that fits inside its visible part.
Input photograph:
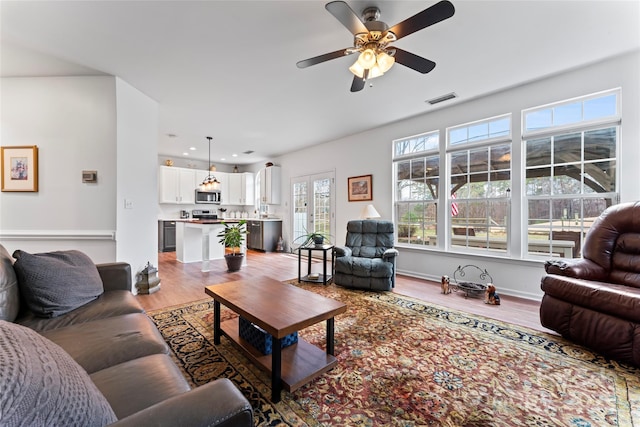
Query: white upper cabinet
(249, 188)
(270, 185)
(224, 186)
(176, 185)
(240, 189)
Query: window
(480, 184)
(417, 176)
(570, 166)
(484, 130)
(568, 163)
(596, 107)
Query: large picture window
(417, 176)
(461, 187)
(571, 171)
(480, 185)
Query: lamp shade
(385, 61)
(357, 69)
(369, 212)
(375, 72)
(367, 58)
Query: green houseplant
(313, 238)
(233, 236)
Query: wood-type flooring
(182, 283)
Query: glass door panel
(313, 206)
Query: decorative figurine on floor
(445, 285)
(491, 296)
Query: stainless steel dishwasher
(255, 240)
(264, 235)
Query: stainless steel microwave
(208, 196)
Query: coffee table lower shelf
(301, 362)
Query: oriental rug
(406, 362)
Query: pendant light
(210, 182)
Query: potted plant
(313, 238)
(233, 236)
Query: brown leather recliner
(595, 300)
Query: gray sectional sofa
(76, 348)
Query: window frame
(581, 128)
(517, 229)
(397, 202)
(468, 147)
(566, 128)
(480, 142)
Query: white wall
(370, 153)
(136, 198)
(72, 120)
(83, 123)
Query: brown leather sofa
(122, 359)
(595, 300)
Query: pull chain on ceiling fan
(372, 39)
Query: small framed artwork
(360, 188)
(19, 168)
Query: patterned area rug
(403, 362)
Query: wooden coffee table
(280, 309)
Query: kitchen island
(197, 241)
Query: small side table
(322, 278)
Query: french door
(313, 204)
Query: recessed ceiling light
(185, 154)
(222, 159)
(234, 155)
(192, 148)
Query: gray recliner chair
(368, 259)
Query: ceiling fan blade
(358, 83)
(347, 17)
(414, 62)
(431, 15)
(322, 58)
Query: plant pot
(234, 261)
(318, 240)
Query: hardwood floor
(183, 283)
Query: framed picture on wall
(360, 188)
(19, 168)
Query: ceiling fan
(373, 38)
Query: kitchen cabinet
(240, 189)
(176, 185)
(223, 177)
(270, 185)
(166, 236)
(263, 235)
(198, 242)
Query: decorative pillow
(55, 283)
(9, 293)
(43, 386)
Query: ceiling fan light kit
(372, 39)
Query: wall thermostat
(90, 176)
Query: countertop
(217, 221)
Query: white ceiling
(227, 69)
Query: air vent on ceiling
(247, 152)
(442, 98)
